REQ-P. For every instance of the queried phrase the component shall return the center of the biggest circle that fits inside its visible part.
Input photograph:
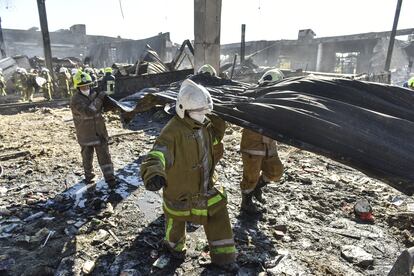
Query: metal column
(392, 38)
(45, 34)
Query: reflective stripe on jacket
(256, 144)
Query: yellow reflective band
(217, 197)
(179, 247)
(214, 200)
(216, 141)
(159, 155)
(176, 213)
(199, 212)
(224, 250)
(169, 227)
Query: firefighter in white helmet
(207, 69)
(270, 77)
(182, 163)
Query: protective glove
(155, 183)
(101, 95)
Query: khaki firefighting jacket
(87, 116)
(256, 144)
(183, 155)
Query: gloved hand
(101, 95)
(155, 183)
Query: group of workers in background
(27, 84)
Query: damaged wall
(324, 54)
(74, 42)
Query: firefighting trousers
(217, 229)
(28, 94)
(270, 167)
(104, 160)
(47, 91)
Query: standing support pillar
(243, 43)
(207, 22)
(392, 38)
(319, 58)
(45, 35)
(2, 46)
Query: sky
(264, 19)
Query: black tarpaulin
(368, 126)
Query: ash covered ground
(52, 224)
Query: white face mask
(85, 92)
(199, 116)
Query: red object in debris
(363, 210)
(366, 216)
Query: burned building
(74, 42)
(349, 54)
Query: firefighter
(47, 87)
(64, 82)
(20, 82)
(410, 83)
(91, 72)
(207, 69)
(261, 163)
(32, 87)
(86, 105)
(108, 82)
(182, 163)
(2, 84)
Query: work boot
(179, 255)
(257, 192)
(112, 183)
(247, 204)
(89, 178)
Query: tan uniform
(63, 84)
(91, 133)
(183, 155)
(259, 154)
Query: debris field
(53, 224)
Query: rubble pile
(53, 224)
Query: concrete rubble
(52, 224)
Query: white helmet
(44, 69)
(73, 71)
(270, 76)
(63, 70)
(192, 97)
(21, 70)
(207, 69)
